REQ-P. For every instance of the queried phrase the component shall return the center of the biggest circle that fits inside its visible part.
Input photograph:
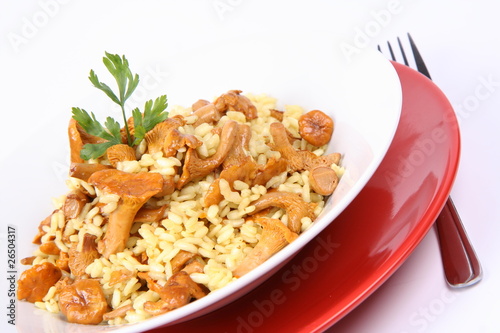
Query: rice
(221, 234)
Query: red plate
(351, 258)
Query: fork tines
(419, 62)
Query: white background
(47, 47)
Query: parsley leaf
(90, 124)
(94, 150)
(127, 82)
(153, 114)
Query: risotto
(227, 185)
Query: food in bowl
(172, 206)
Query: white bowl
(362, 95)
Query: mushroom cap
(127, 185)
(120, 153)
(316, 127)
(155, 138)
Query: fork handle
(461, 266)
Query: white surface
(459, 42)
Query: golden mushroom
(275, 236)
(134, 190)
(295, 207)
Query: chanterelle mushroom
(158, 138)
(233, 101)
(83, 171)
(238, 165)
(275, 236)
(207, 114)
(298, 159)
(77, 139)
(178, 291)
(35, 282)
(74, 203)
(322, 181)
(79, 259)
(195, 167)
(83, 302)
(294, 205)
(316, 127)
(120, 153)
(134, 190)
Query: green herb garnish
(154, 112)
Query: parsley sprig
(127, 82)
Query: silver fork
(460, 263)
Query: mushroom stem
(120, 222)
(83, 171)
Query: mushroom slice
(180, 260)
(238, 165)
(168, 185)
(41, 232)
(27, 260)
(83, 171)
(77, 139)
(187, 262)
(35, 282)
(199, 104)
(120, 153)
(155, 138)
(272, 168)
(301, 159)
(120, 276)
(83, 302)
(174, 140)
(316, 127)
(63, 261)
(194, 167)
(295, 207)
(279, 115)
(79, 260)
(50, 248)
(323, 180)
(118, 312)
(207, 113)
(134, 190)
(179, 290)
(150, 214)
(233, 101)
(238, 154)
(74, 203)
(196, 265)
(275, 236)
(244, 172)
